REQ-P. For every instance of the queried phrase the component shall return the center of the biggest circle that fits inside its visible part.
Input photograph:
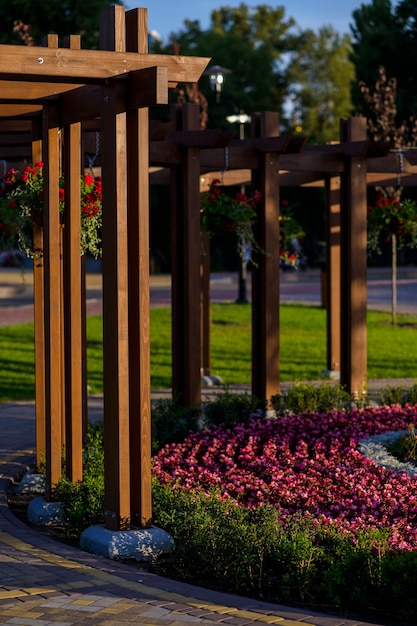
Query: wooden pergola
(57, 90)
(51, 98)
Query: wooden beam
(147, 87)
(332, 276)
(186, 256)
(265, 277)
(38, 316)
(353, 361)
(139, 290)
(62, 65)
(52, 300)
(24, 91)
(115, 291)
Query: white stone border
(375, 448)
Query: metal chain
(401, 160)
(92, 159)
(226, 163)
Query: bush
(399, 395)
(83, 502)
(228, 408)
(171, 422)
(219, 544)
(315, 398)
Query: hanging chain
(92, 159)
(401, 163)
(226, 163)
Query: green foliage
(250, 41)
(52, 16)
(405, 447)
(320, 75)
(304, 397)
(390, 216)
(83, 502)
(303, 348)
(172, 422)
(234, 549)
(227, 408)
(384, 34)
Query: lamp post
(216, 75)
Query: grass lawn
(391, 349)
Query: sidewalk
(47, 583)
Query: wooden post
(353, 361)
(205, 306)
(333, 272)
(115, 284)
(186, 258)
(265, 278)
(73, 296)
(52, 301)
(38, 306)
(139, 292)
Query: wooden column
(73, 296)
(115, 284)
(205, 307)
(186, 257)
(52, 299)
(353, 362)
(38, 305)
(265, 278)
(333, 272)
(139, 293)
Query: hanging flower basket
(391, 216)
(21, 206)
(222, 214)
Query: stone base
(41, 513)
(331, 374)
(211, 381)
(32, 483)
(140, 545)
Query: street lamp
(216, 75)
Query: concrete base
(331, 374)
(31, 483)
(41, 513)
(211, 381)
(140, 545)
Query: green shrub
(229, 407)
(317, 398)
(171, 422)
(222, 545)
(83, 502)
(398, 395)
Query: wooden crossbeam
(147, 87)
(91, 66)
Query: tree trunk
(394, 279)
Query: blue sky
(166, 16)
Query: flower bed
(306, 464)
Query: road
(16, 290)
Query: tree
(249, 42)
(391, 218)
(384, 35)
(69, 17)
(321, 74)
